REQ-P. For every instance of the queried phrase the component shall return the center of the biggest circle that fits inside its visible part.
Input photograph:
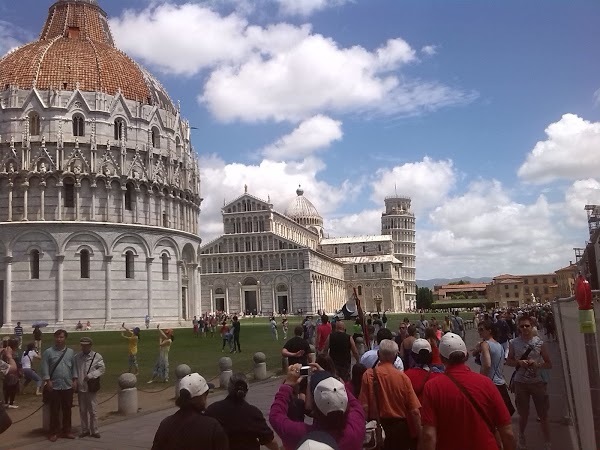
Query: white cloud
(427, 182)
(364, 222)
(278, 181)
(429, 50)
(313, 134)
(571, 151)
(12, 37)
(579, 194)
(485, 232)
(306, 7)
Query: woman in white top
(27, 364)
(161, 368)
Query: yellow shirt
(133, 344)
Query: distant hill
(436, 281)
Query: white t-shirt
(27, 359)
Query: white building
(269, 262)
(99, 184)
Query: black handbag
(93, 384)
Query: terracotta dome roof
(301, 208)
(76, 50)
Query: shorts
(537, 391)
(133, 361)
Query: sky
(486, 114)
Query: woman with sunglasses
(491, 355)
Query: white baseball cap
(451, 343)
(194, 383)
(318, 440)
(329, 393)
(421, 344)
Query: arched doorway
(250, 295)
(282, 298)
(219, 299)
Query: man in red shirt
(323, 332)
(451, 421)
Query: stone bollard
(260, 366)
(284, 364)
(128, 395)
(360, 345)
(225, 365)
(181, 371)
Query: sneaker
(150, 382)
(95, 435)
(52, 438)
(12, 407)
(83, 434)
(522, 443)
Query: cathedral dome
(303, 211)
(76, 51)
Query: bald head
(340, 326)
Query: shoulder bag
(93, 384)
(374, 435)
(524, 356)
(480, 411)
(47, 391)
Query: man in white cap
(90, 366)
(463, 409)
(181, 430)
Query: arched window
(178, 144)
(120, 130)
(155, 137)
(165, 266)
(84, 263)
(129, 197)
(34, 123)
(69, 193)
(129, 264)
(34, 264)
(78, 125)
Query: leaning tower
(399, 222)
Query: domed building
(270, 262)
(99, 184)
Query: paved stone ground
(138, 431)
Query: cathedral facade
(271, 262)
(99, 184)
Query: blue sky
(486, 113)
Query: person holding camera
(90, 367)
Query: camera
(304, 371)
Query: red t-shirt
(324, 331)
(417, 377)
(436, 360)
(458, 424)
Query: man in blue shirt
(60, 374)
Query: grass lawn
(201, 354)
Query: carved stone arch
(136, 238)
(24, 233)
(188, 254)
(97, 238)
(170, 243)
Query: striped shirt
(19, 331)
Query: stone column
(149, 284)
(60, 259)
(43, 200)
(93, 189)
(212, 300)
(8, 290)
(260, 366)
(108, 288)
(137, 208)
(197, 290)
(227, 300)
(123, 194)
(25, 199)
(10, 200)
(179, 286)
(59, 187)
(162, 210)
(108, 200)
(225, 366)
(127, 399)
(77, 205)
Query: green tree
(458, 282)
(424, 298)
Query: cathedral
(270, 262)
(99, 183)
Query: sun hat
(451, 343)
(194, 383)
(85, 341)
(421, 344)
(329, 394)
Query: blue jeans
(31, 375)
